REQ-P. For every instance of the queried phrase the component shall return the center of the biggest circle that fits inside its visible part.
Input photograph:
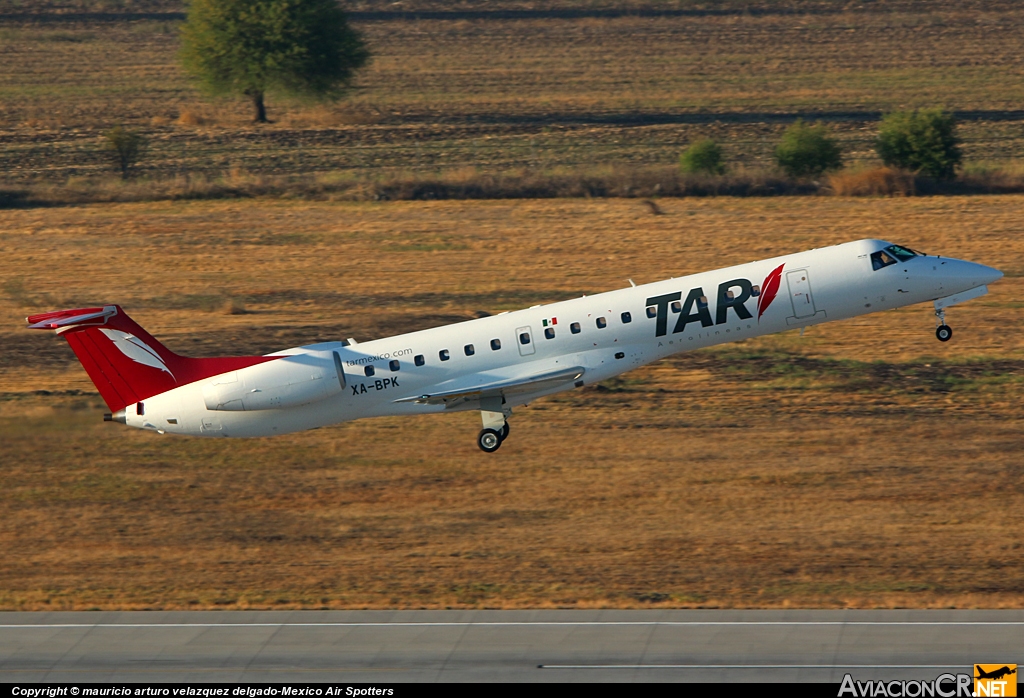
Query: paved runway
(386, 647)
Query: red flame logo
(769, 289)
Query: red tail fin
(125, 362)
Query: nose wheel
(943, 332)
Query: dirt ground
(863, 464)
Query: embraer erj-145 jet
(496, 363)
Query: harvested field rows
(863, 464)
(496, 94)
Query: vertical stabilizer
(126, 363)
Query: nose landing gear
(943, 332)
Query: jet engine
(287, 382)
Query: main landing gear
(943, 332)
(494, 414)
(489, 440)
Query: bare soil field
(478, 88)
(863, 464)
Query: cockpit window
(881, 259)
(902, 253)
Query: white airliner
(496, 363)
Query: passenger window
(574, 328)
(470, 350)
(601, 323)
(626, 318)
(419, 360)
(881, 259)
(652, 311)
(702, 302)
(620, 355)
(677, 307)
(755, 291)
(550, 333)
(444, 355)
(368, 370)
(495, 344)
(394, 365)
(524, 338)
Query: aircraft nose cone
(964, 275)
(990, 274)
(979, 274)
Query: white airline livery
(495, 363)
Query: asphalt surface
(386, 647)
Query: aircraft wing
(510, 386)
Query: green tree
(125, 148)
(807, 151)
(703, 157)
(922, 140)
(303, 48)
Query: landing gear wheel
(944, 333)
(504, 431)
(488, 440)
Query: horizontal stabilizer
(66, 318)
(524, 384)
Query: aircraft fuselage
(599, 336)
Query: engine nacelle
(287, 382)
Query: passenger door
(800, 293)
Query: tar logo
(995, 680)
(136, 350)
(732, 294)
(695, 307)
(769, 289)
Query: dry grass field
(863, 464)
(481, 91)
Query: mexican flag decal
(551, 322)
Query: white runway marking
(539, 623)
(752, 666)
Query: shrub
(125, 148)
(923, 140)
(703, 157)
(807, 151)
